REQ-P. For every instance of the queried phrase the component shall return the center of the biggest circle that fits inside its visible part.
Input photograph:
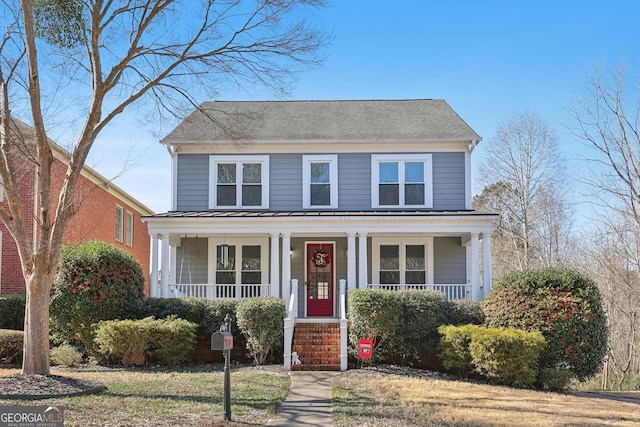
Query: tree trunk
(36, 326)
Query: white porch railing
(289, 324)
(229, 292)
(452, 292)
(344, 362)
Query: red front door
(320, 272)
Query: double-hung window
(119, 223)
(320, 182)
(401, 181)
(129, 229)
(239, 182)
(406, 263)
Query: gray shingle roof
(419, 119)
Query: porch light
(224, 255)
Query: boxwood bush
(261, 320)
(167, 341)
(377, 315)
(504, 356)
(565, 306)
(12, 311)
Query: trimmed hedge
(12, 311)
(504, 356)
(207, 314)
(11, 345)
(261, 320)
(167, 341)
(565, 306)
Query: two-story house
(306, 200)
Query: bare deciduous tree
(606, 118)
(523, 182)
(91, 60)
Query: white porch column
(475, 267)
(164, 267)
(362, 261)
(486, 263)
(275, 265)
(286, 266)
(351, 261)
(153, 275)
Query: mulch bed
(41, 386)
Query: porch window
(320, 181)
(401, 264)
(239, 268)
(239, 182)
(401, 181)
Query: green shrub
(95, 281)
(171, 341)
(191, 309)
(564, 305)
(167, 341)
(215, 312)
(12, 311)
(65, 355)
(261, 320)
(465, 312)
(454, 347)
(123, 340)
(377, 315)
(11, 344)
(506, 356)
(422, 313)
(635, 383)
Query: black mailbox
(221, 341)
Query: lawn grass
(365, 398)
(153, 397)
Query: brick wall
(94, 219)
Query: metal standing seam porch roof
(292, 214)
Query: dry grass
(381, 399)
(170, 397)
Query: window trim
(403, 242)
(307, 160)
(238, 160)
(119, 225)
(376, 159)
(238, 243)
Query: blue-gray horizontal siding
(449, 261)
(448, 181)
(192, 182)
(354, 181)
(285, 181)
(192, 261)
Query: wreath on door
(320, 258)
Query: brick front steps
(318, 346)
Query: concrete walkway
(308, 402)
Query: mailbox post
(223, 340)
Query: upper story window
(128, 230)
(119, 223)
(401, 181)
(320, 181)
(239, 182)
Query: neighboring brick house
(104, 212)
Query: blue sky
(487, 59)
